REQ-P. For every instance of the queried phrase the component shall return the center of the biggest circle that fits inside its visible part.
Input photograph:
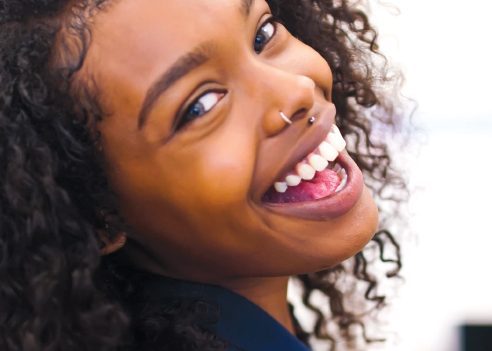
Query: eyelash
(192, 111)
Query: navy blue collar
(241, 323)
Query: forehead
(146, 25)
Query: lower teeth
(343, 175)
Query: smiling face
(195, 140)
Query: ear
(112, 243)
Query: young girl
(166, 166)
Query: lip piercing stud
(311, 120)
(285, 118)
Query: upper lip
(325, 118)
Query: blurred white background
(443, 48)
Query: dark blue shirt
(238, 321)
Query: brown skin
(193, 197)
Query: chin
(364, 223)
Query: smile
(326, 183)
(316, 176)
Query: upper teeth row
(316, 161)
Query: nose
(285, 93)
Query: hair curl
(56, 293)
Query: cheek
(222, 170)
(187, 188)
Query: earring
(113, 244)
(111, 230)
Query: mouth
(325, 184)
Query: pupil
(259, 41)
(196, 110)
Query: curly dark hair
(56, 292)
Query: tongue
(322, 185)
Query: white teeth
(328, 151)
(305, 171)
(335, 139)
(293, 180)
(317, 162)
(342, 173)
(281, 187)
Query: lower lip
(332, 206)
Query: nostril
(299, 114)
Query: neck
(268, 293)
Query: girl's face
(194, 139)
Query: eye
(264, 34)
(199, 107)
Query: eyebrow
(246, 6)
(181, 67)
